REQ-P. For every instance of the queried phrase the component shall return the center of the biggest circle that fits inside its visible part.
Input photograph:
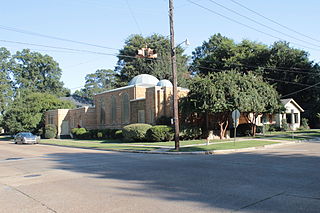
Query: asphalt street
(42, 178)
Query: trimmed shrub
(285, 126)
(242, 130)
(99, 135)
(304, 123)
(50, 131)
(80, 133)
(135, 132)
(190, 133)
(159, 133)
(118, 134)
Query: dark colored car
(25, 138)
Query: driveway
(42, 178)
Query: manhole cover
(27, 176)
(14, 158)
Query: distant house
(292, 115)
(78, 101)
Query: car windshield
(26, 134)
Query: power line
(248, 26)
(266, 26)
(72, 49)
(53, 37)
(300, 90)
(133, 17)
(275, 22)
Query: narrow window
(113, 109)
(102, 112)
(125, 108)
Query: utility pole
(174, 78)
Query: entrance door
(65, 128)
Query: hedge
(135, 132)
(159, 133)
(50, 131)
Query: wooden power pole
(174, 78)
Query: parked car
(25, 138)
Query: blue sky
(110, 23)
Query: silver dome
(144, 79)
(164, 83)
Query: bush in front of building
(50, 131)
(190, 133)
(80, 133)
(284, 125)
(118, 134)
(135, 132)
(159, 133)
(304, 124)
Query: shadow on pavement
(251, 182)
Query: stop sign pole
(235, 116)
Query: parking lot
(42, 178)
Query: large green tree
(128, 65)
(37, 73)
(101, 80)
(218, 94)
(26, 112)
(288, 69)
(6, 87)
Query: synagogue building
(144, 100)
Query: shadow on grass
(245, 181)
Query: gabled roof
(290, 100)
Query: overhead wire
(261, 24)
(248, 26)
(275, 22)
(54, 37)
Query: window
(289, 118)
(141, 116)
(125, 108)
(102, 112)
(50, 119)
(151, 116)
(113, 109)
(296, 118)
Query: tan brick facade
(117, 108)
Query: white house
(292, 115)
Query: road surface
(42, 178)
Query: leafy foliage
(37, 73)
(159, 133)
(129, 67)
(50, 131)
(26, 112)
(135, 132)
(287, 68)
(221, 93)
(101, 80)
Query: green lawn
(119, 142)
(225, 146)
(88, 144)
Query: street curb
(226, 151)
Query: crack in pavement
(38, 201)
(259, 201)
(301, 196)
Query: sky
(109, 23)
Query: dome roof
(144, 79)
(164, 83)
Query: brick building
(144, 100)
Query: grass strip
(226, 146)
